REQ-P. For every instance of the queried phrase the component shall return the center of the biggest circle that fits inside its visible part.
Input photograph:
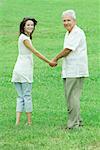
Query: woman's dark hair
(22, 25)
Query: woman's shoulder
(23, 37)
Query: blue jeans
(24, 99)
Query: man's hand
(53, 63)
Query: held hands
(53, 62)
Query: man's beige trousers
(73, 89)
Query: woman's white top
(23, 69)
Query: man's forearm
(63, 53)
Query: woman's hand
(53, 63)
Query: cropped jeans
(24, 99)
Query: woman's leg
(27, 89)
(20, 102)
(29, 118)
(18, 115)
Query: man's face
(68, 22)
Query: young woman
(23, 70)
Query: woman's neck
(28, 34)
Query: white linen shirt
(75, 64)
(23, 69)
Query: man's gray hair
(69, 13)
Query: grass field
(49, 113)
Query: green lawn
(49, 114)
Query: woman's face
(29, 26)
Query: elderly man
(74, 67)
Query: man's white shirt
(75, 64)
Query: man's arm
(63, 53)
